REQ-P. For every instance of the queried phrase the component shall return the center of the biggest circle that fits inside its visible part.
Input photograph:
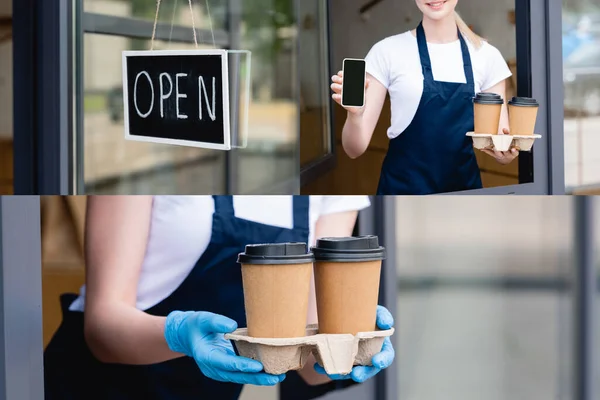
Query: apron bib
(434, 155)
(214, 284)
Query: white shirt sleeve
(496, 69)
(378, 63)
(338, 204)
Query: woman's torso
(395, 62)
(181, 228)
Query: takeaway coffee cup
(347, 272)
(487, 109)
(522, 114)
(276, 280)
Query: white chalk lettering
(135, 94)
(163, 97)
(180, 96)
(211, 110)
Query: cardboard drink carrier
(338, 354)
(347, 287)
(522, 113)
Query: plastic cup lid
(488, 98)
(348, 249)
(523, 102)
(276, 253)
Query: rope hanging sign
(191, 98)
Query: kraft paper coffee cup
(522, 115)
(487, 110)
(276, 280)
(347, 273)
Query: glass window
(269, 164)
(269, 30)
(581, 53)
(113, 165)
(482, 304)
(6, 101)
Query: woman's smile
(437, 5)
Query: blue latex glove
(200, 335)
(380, 360)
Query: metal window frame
(585, 362)
(43, 96)
(317, 168)
(21, 338)
(380, 219)
(132, 27)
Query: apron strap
(467, 63)
(224, 205)
(424, 53)
(301, 210)
(426, 60)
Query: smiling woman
(441, 66)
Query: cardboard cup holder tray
(337, 353)
(483, 141)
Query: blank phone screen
(354, 83)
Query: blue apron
(214, 284)
(434, 155)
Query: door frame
(21, 339)
(43, 96)
(380, 220)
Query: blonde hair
(474, 38)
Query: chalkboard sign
(177, 97)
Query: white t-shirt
(181, 227)
(395, 62)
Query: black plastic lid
(349, 249)
(277, 253)
(523, 102)
(488, 98)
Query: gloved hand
(200, 335)
(380, 361)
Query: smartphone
(353, 88)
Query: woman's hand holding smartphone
(351, 94)
(336, 86)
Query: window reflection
(313, 59)
(171, 11)
(581, 53)
(483, 306)
(269, 164)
